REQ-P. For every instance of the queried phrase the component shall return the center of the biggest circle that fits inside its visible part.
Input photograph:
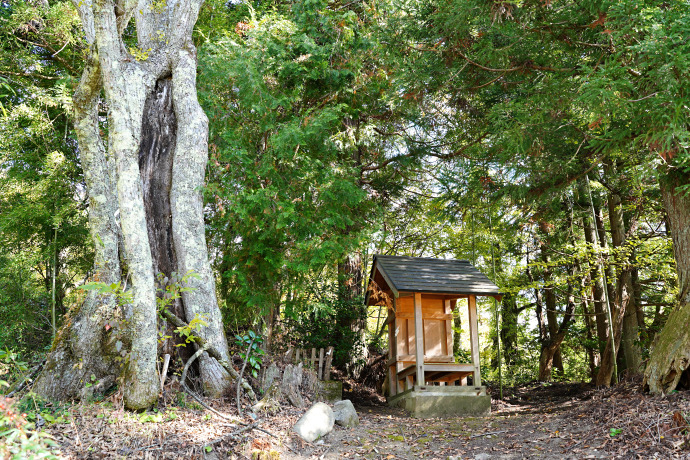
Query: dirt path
(536, 428)
(559, 421)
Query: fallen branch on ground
(234, 434)
(244, 365)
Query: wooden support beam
(474, 338)
(419, 338)
(448, 310)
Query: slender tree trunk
(553, 343)
(598, 293)
(158, 143)
(669, 360)
(624, 316)
(592, 357)
(551, 314)
(509, 328)
(625, 301)
(603, 242)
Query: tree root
(212, 352)
(190, 392)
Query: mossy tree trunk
(669, 361)
(150, 179)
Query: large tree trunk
(83, 346)
(157, 140)
(350, 280)
(669, 360)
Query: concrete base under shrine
(443, 401)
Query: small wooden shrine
(420, 295)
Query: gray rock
(345, 413)
(316, 423)
(310, 381)
(270, 374)
(292, 379)
(270, 403)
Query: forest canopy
(247, 159)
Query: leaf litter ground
(548, 421)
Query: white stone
(316, 423)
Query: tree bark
(598, 293)
(82, 347)
(669, 359)
(157, 151)
(350, 279)
(550, 346)
(555, 358)
(625, 332)
(509, 328)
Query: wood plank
(448, 329)
(386, 278)
(454, 367)
(434, 337)
(391, 317)
(452, 377)
(474, 339)
(439, 294)
(400, 387)
(410, 345)
(427, 359)
(408, 370)
(448, 372)
(329, 361)
(401, 336)
(425, 314)
(449, 337)
(321, 363)
(313, 358)
(419, 337)
(392, 381)
(392, 345)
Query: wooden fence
(320, 360)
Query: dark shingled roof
(447, 276)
